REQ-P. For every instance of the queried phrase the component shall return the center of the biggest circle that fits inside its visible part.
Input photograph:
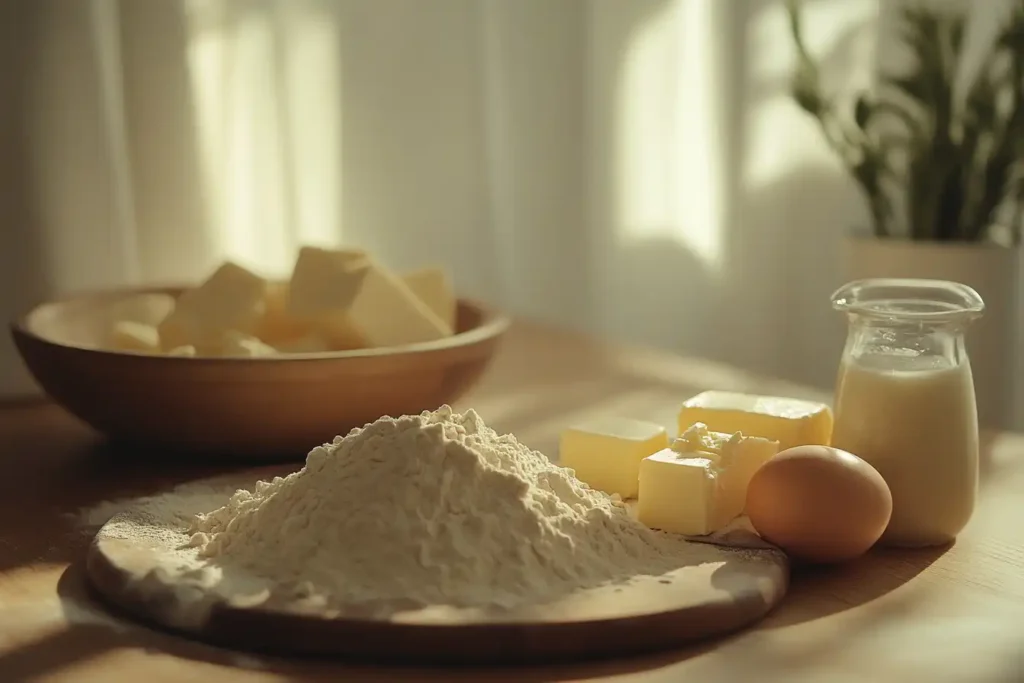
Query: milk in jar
(905, 401)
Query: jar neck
(869, 335)
(955, 326)
(924, 300)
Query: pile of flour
(433, 509)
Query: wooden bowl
(246, 408)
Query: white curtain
(632, 168)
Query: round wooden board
(729, 589)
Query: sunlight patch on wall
(266, 87)
(668, 153)
(206, 66)
(254, 228)
(826, 24)
(780, 141)
(780, 136)
(312, 87)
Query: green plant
(956, 160)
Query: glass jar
(905, 401)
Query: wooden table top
(953, 614)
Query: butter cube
(277, 325)
(340, 333)
(699, 485)
(310, 343)
(128, 335)
(434, 288)
(359, 303)
(387, 313)
(323, 286)
(352, 255)
(679, 494)
(322, 282)
(184, 351)
(147, 309)
(230, 299)
(606, 454)
(737, 458)
(244, 346)
(790, 421)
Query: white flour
(404, 514)
(434, 508)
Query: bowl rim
(493, 324)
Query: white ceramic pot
(992, 271)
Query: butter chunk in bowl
(243, 367)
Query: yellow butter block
(680, 494)
(387, 313)
(230, 299)
(146, 309)
(310, 343)
(434, 288)
(355, 302)
(127, 335)
(323, 285)
(322, 282)
(790, 421)
(606, 453)
(244, 346)
(278, 326)
(699, 484)
(736, 458)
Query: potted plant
(942, 172)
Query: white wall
(635, 169)
(744, 278)
(619, 167)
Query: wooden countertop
(953, 614)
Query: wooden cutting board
(728, 590)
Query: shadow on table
(54, 499)
(94, 630)
(820, 591)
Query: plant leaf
(995, 183)
(910, 86)
(920, 196)
(869, 173)
(805, 89)
(951, 197)
(912, 122)
(953, 29)
(959, 162)
(862, 111)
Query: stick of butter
(434, 288)
(790, 421)
(699, 485)
(358, 303)
(277, 326)
(606, 453)
(679, 494)
(232, 299)
(128, 335)
(245, 346)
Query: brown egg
(819, 504)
